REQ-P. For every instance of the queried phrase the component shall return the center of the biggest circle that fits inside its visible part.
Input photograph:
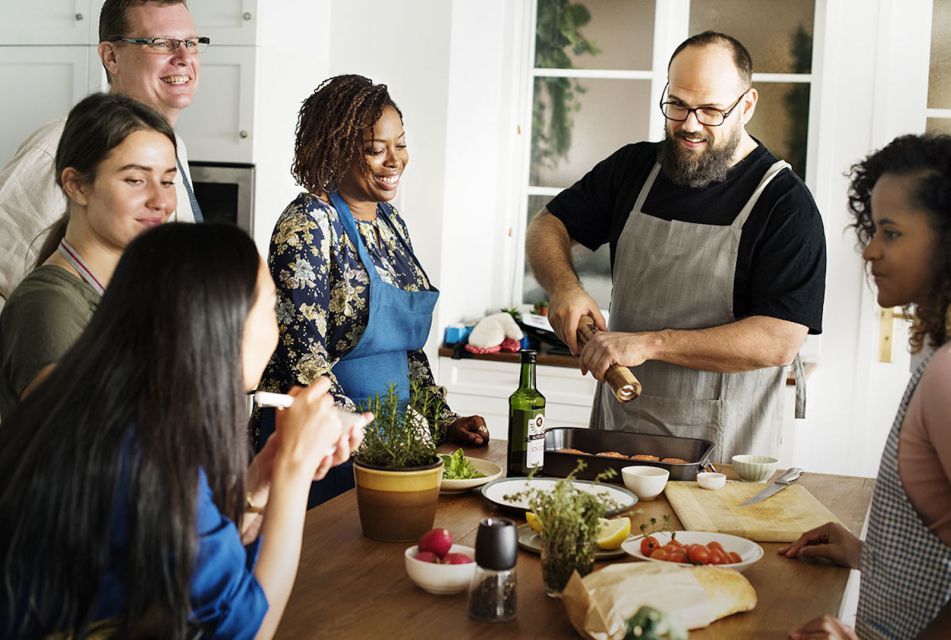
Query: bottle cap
(496, 545)
(528, 356)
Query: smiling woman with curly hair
(900, 199)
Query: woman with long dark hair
(126, 472)
(900, 199)
(354, 302)
(116, 164)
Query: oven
(225, 192)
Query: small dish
(713, 481)
(753, 468)
(441, 579)
(531, 541)
(490, 472)
(645, 481)
(749, 551)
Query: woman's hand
(469, 430)
(307, 431)
(831, 541)
(824, 628)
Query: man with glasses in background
(718, 264)
(149, 49)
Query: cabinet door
(48, 81)
(217, 127)
(53, 22)
(226, 22)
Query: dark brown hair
(96, 125)
(331, 126)
(114, 17)
(741, 57)
(927, 158)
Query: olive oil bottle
(526, 447)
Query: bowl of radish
(438, 566)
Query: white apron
(670, 274)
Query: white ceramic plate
(490, 471)
(749, 551)
(496, 491)
(531, 541)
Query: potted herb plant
(396, 469)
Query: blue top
(226, 599)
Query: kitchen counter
(349, 586)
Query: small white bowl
(708, 480)
(441, 579)
(644, 481)
(753, 468)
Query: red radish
(427, 556)
(456, 558)
(438, 541)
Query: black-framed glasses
(168, 45)
(707, 116)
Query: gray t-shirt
(42, 319)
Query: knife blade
(778, 485)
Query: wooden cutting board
(782, 517)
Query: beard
(688, 169)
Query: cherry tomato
(734, 557)
(714, 545)
(674, 542)
(718, 557)
(670, 547)
(648, 545)
(676, 556)
(699, 554)
(658, 554)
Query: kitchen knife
(778, 485)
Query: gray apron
(670, 274)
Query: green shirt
(42, 319)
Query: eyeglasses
(168, 45)
(707, 116)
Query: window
(939, 76)
(596, 79)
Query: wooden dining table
(349, 586)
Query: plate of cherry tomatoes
(692, 548)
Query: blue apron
(398, 323)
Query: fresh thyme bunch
(570, 519)
(401, 436)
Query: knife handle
(790, 476)
(625, 386)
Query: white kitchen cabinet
(226, 22)
(483, 387)
(218, 126)
(48, 81)
(50, 22)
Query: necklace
(76, 261)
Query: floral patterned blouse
(323, 295)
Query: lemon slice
(611, 533)
(533, 522)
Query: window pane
(576, 123)
(781, 121)
(595, 34)
(593, 267)
(777, 33)
(938, 125)
(939, 78)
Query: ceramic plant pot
(397, 505)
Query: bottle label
(536, 440)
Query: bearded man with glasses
(149, 49)
(718, 264)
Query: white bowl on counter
(753, 468)
(441, 579)
(644, 481)
(712, 481)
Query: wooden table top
(349, 586)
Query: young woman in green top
(115, 163)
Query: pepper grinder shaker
(492, 593)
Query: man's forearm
(744, 345)
(548, 249)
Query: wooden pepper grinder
(625, 386)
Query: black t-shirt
(780, 269)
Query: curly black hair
(331, 126)
(927, 157)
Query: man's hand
(565, 310)
(831, 541)
(614, 347)
(824, 628)
(469, 430)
